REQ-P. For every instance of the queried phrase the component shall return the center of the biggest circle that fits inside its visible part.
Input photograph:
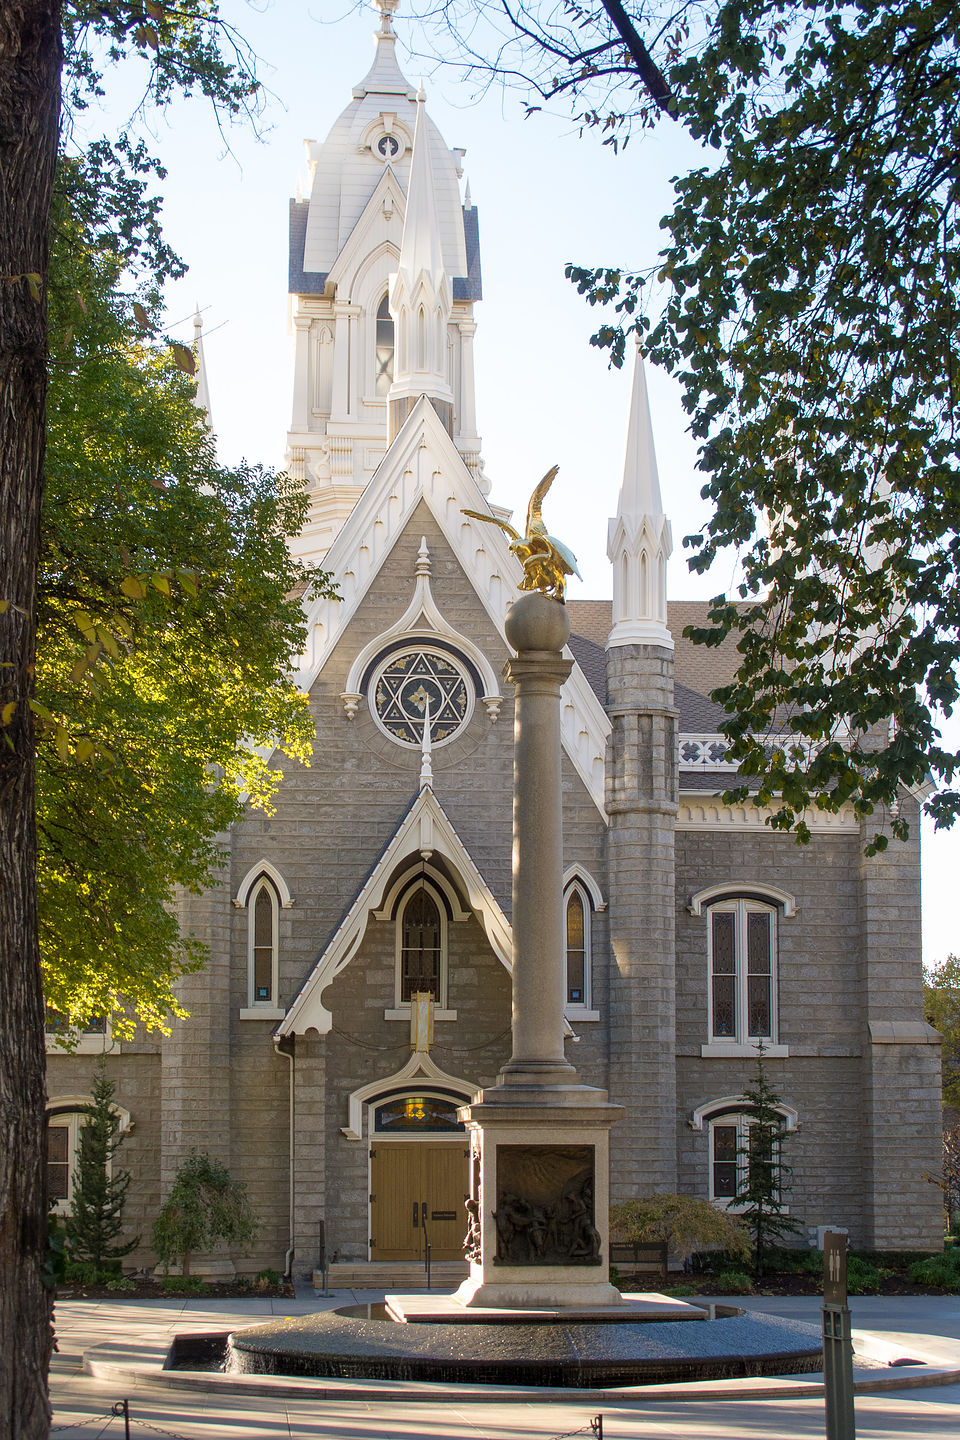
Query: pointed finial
(426, 756)
(640, 494)
(387, 9)
(638, 538)
(467, 202)
(423, 558)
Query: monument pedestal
(541, 1187)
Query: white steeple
(346, 237)
(202, 397)
(420, 296)
(639, 541)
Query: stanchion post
(837, 1341)
(596, 1425)
(122, 1407)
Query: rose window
(415, 680)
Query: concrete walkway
(927, 1328)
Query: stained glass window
(414, 680)
(420, 946)
(742, 971)
(58, 1162)
(725, 1147)
(576, 950)
(418, 1112)
(263, 907)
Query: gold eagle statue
(546, 560)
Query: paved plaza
(924, 1328)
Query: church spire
(202, 397)
(639, 540)
(420, 296)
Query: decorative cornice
(708, 812)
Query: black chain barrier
(121, 1411)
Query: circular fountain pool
(566, 1353)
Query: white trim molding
(742, 889)
(736, 1105)
(699, 810)
(579, 873)
(263, 867)
(419, 1063)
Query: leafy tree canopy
(941, 1005)
(167, 613)
(806, 300)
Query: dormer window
(385, 348)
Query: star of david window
(411, 681)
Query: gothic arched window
(263, 906)
(577, 916)
(421, 945)
(384, 348)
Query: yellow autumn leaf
(133, 588)
(7, 713)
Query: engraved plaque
(545, 1205)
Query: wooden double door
(417, 1192)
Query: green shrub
(863, 1278)
(183, 1285)
(734, 1282)
(683, 1223)
(121, 1283)
(205, 1208)
(87, 1272)
(940, 1272)
(264, 1278)
(680, 1291)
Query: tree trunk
(30, 59)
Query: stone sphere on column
(537, 622)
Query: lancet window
(384, 348)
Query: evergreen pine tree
(762, 1173)
(99, 1190)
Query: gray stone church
(694, 932)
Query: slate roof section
(469, 286)
(300, 281)
(697, 670)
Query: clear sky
(545, 196)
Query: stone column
(642, 806)
(540, 1138)
(538, 628)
